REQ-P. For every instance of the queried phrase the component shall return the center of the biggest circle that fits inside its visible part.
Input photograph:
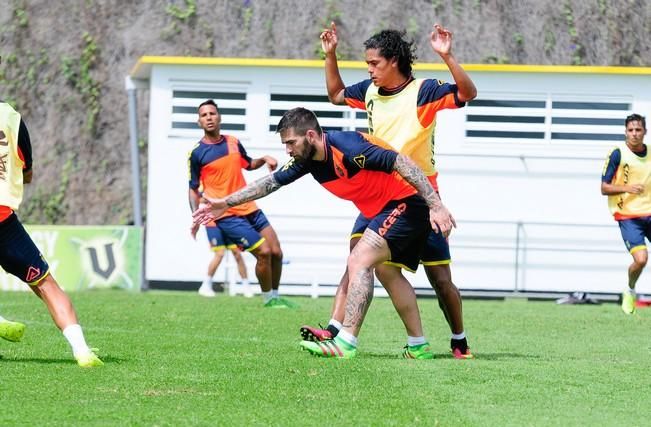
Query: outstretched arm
(334, 83)
(441, 41)
(212, 209)
(441, 220)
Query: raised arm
(211, 209)
(334, 83)
(441, 220)
(441, 41)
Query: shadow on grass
(442, 356)
(53, 361)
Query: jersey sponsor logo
(288, 165)
(3, 167)
(360, 160)
(626, 168)
(3, 139)
(32, 274)
(392, 218)
(369, 115)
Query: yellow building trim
(142, 69)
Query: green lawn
(177, 359)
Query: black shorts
(405, 225)
(18, 253)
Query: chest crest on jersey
(360, 160)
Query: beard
(307, 155)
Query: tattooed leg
(369, 251)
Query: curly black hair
(392, 44)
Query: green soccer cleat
(11, 331)
(287, 303)
(422, 351)
(89, 360)
(330, 348)
(274, 303)
(628, 303)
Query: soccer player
(218, 245)
(216, 164)
(626, 180)
(402, 111)
(18, 253)
(387, 187)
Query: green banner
(87, 257)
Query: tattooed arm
(440, 218)
(214, 208)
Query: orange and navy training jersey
(358, 167)
(405, 117)
(15, 159)
(216, 170)
(622, 167)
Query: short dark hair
(301, 120)
(635, 118)
(208, 102)
(392, 44)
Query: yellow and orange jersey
(626, 167)
(406, 117)
(15, 157)
(216, 168)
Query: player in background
(216, 164)
(18, 253)
(401, 110)
(626, 180)
(387, 187)
(218, 245)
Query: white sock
(274, 293)
(245, 282)
(267, 296)
(336, 324)
(347, 337)
(412, 341)
(460, 336)
(631, 291)
(75, 337)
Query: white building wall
(490, 185)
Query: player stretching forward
(387, 187)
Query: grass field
(177, 359)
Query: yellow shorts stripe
(40, 279)
(444, 262)
(637, 248)
(397, 264)
(256, 245)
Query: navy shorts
(634, 231)
(217, 239)
(244, 231)
(435, 252)
(405, 225)
(18, 253)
